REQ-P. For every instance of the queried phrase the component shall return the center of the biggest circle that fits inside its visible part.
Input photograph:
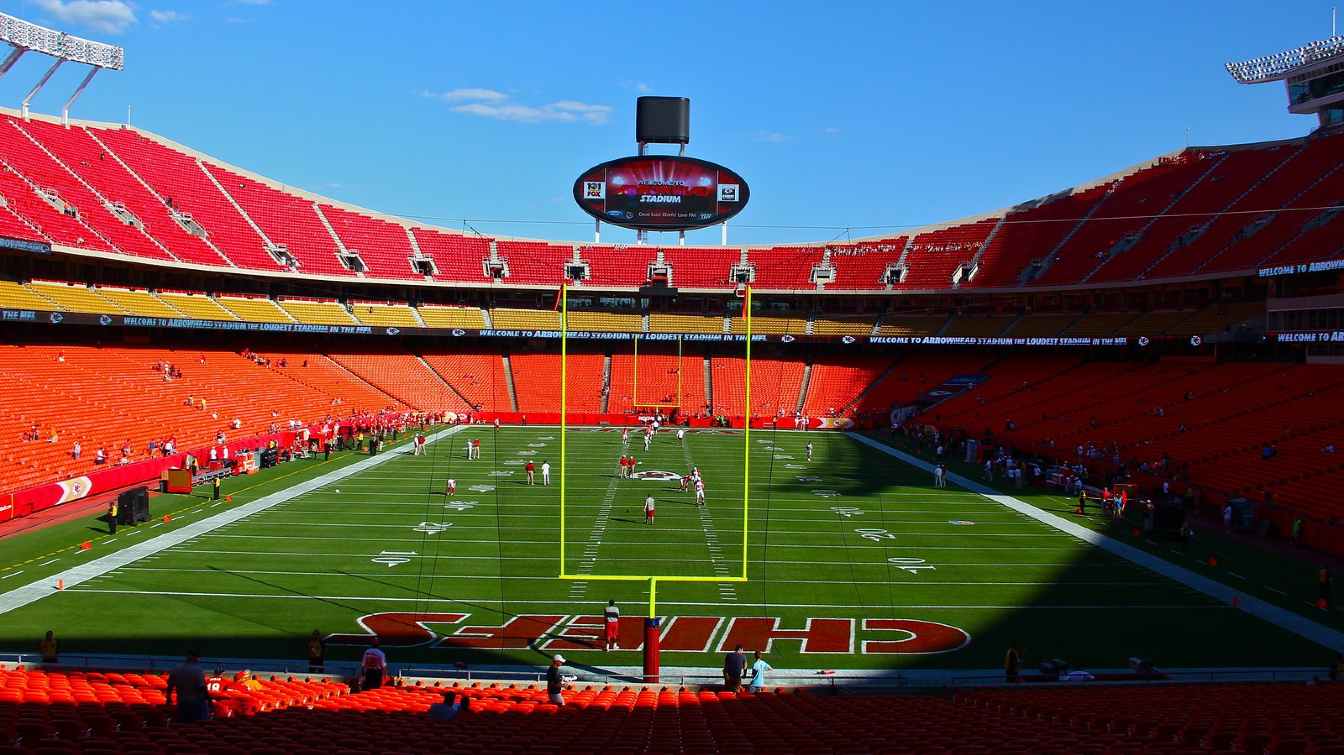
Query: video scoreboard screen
(661, 192)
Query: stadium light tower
(1313, 75)
(25, 37)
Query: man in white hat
(554, 683)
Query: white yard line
(562, 601)
(676, 559)
(1276, 615)
(533, 578)
(646, 544)
(579, 589)
(35, 591)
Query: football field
(854, 561)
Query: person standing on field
(531, 470)
(809, 450)
(648, 510)
(611, 624)
(758, 669)
(546, 473)
(451, 488)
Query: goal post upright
(564, 412)
(746, 435)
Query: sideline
(1280, 617)
(35, 591)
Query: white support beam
(11, 59)
(38, 86)
(65, 110)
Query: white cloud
(105, 16)
(167, 16)
(490, 103)
(771, 137)
(469, 94)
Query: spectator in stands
(317, 653)
(60, 357)
(758, 669)
(555, 684)
(188, 681)
(452, 704)
(76, 450)
(734, 664)
(1268, 452)
(47, 647)
(1012, 663)
(54, 438)
(1329, 448)
(373, 666)
(100, 456)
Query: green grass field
(855, 562)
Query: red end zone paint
(687, 634)
(680, 634)
(920, 637)
(819, 635)
(396, 629)
(519, 632)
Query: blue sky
(838, 114)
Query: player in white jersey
(625, 437)
(545, 473)
(648, 440)
(809, 451)
(681, 434)
(699, 492)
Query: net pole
(746, 435)
(564, 411)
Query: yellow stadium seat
(317, 312)
(399, 315)
(142, 303)
(673, 323)
(74, 298)
(612, 322)
(197, 306)
(453, 317)
(530, 319)
(254, 310)
(17, 296)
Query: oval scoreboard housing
(661, 192)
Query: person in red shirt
(625, 466)
(531, 473)
(633, 463)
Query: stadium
(1056, 477)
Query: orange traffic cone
(60, 584)
(228, 499)
(85, 545)
(167, 518)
